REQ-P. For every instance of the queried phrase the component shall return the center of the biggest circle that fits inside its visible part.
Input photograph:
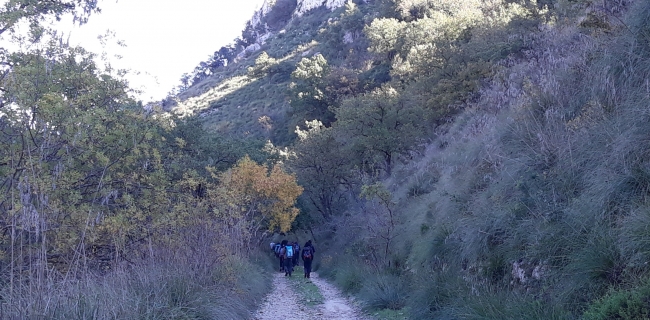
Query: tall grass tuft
(384, 291)
(153, 291)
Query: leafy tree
(74, 144)
(381, 124)
(200, 148)
(382, 221)
(262, 67)
(308, 96)
(13, 11)
(322, 166)
(341, 83)
(254, 198)
(384, 36)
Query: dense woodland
(451, 159)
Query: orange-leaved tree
(254, 198)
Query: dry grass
(540, 190)
(156, 291)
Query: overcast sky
(164, 38)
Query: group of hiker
(288, 254)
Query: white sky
(164, 38)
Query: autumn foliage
(259, 197)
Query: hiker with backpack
(296, 250)
(308, 257)
(287, 257)
(276, 249)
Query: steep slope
(230, 98)
(532, 202)
(463, 159)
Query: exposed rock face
(248, 50)
(348, 37)
(523, 272)
(263, 11)
(305, 5)
(333, 4)
(262, 39)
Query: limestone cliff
(305, 5)
(263, 32)
(262, 12)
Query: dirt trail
(335, 305)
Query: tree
(341, 83)
(381, 124)
(308, 90)
(74, 145)
(254, 198)
(382, 220)
(262, 67)
(384, 36)
(322, 167)
(35, 12)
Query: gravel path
(335, 305)
(281, 303)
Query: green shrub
(503, 305)
(423, 183)
(350, 279)
(621, 304)
(433, 293)
(385, 291)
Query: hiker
(296, 250)
(287, 257)
(283, 246)
(276, 249)
(308, 257)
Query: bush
(384, 291)
(155, 291)
(433, 294)
(507, 306)
(623, 304)
(350, 279)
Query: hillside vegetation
(451, 159)
(462, 159)
(113, 210)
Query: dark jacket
(308, 246)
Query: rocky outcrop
(262, 12)
(247, 51)
(302, 7)
(333, 4)
(305, 5)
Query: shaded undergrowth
(230, 290)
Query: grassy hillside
(533, 202)
(235, 100)
(470, 159)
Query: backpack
(288, 252)
(306, 253)
(277, 249)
